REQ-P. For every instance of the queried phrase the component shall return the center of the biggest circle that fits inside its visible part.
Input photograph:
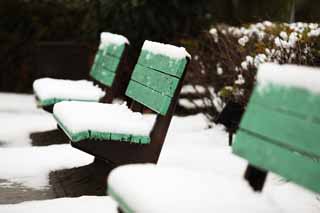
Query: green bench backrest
(155, 79)
(280, 132)
(106, 62)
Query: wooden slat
(291, 99)
(103, 76)
(158, 81)
(119, 137)
(148, 97)
(115, 50)
(291, 165)
(162, 63)
(110, 63)
(300, 134)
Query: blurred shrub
(24, 23)
(225, 60)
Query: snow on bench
(104, 70)
(50, 91)
(155, 84)
(279, 131)
(83, 120)
(148, 188)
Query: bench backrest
(157, 75)
(280, 129)
(108, 57)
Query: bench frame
(119, 153)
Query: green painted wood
(295, 100)
(162, 63)
(114, 50)
(148, 97)
(300, 134)
(158, 81)
(105, 64)
(52, 101)
(110, 63)
(269, 156)
(105, 77)
(95, 135)
(123, 205)
(75, 137)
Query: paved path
(15, 193)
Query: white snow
(166, 49)
(11, 102)
(30, 166)
(107, 38)
(147, 188)
(16, 128)
(190, 147)
(48, 88)
(82, 204)
(302, 77)
(79, 116)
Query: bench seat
(147, 188)
(82, 120)
(49, 91)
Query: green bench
(109, 71)
(155, 84)
(280, 129)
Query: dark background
(58, 38)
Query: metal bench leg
(230, 138)
(119, 210)
(256, 177)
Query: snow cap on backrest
(107, 38)
(166, 49)
(297, 76)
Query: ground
(25, 185)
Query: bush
(227, 58)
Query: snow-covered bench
(280, 129)
(279, 132)
(107, 72)
(144, 188)
(114, 132)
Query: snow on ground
(16, 128)
(189, 145)
(31, 165)
(83, 204)
(22, 103)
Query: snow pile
(290, 76)
(107, 38)
(111, 118)
(49, 88)
(166, 49)
(16, 128)
(82, 204)
(11, 102)
(30, 166)
(147, 188)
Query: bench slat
(162, 63)
(114, 50)
(264, 154)
(291, 99)
(103, 76)
(110, 63)
(75, 137)
(158, 81)
(105, 64)
(150, 98)
(295, 132)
